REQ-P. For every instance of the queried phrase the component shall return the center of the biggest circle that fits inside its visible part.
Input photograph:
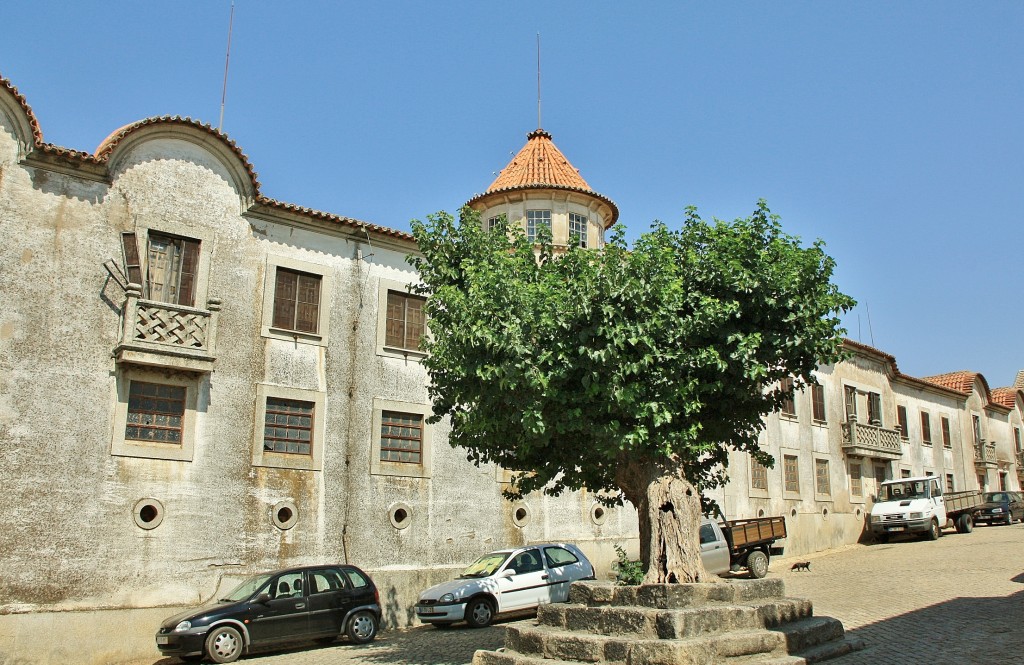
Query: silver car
(507, 580)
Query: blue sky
(892, 130)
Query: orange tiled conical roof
(539, 163)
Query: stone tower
(539, 187)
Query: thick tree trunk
(669, 512)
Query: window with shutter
(171, 268)
(406, 321)
(296, 301)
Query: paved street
(953, 601)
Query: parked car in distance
(518, 578)
(1001, 507)
(309, 603)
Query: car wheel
(479, 613)
(224, 644)
(757, 564)
(933, 531)
(965, 523)
(362, 627)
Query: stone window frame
(122, 447)
(267, 329)
(926, 428)
(856, 480)
(903, 421)
(819, 464)
(533, 220)
(379, 467)
(265, 458)
(788, 490)
(819, 412)
(582, 223)
(382, 349)
(754, 490)
(790, 402)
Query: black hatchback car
(1004, 507)
(310, 603)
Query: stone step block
(811, 632)
(548, 642)
(673, 624)
(676, 596)
(508, 657)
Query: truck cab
(909, 505)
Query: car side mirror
(508, 572)
(263, 598)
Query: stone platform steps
(736, 622)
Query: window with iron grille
(821, 480)
(491, 222)
(818, 402)
(535, 219)
(288, 426)
(155, 413)
(758, 475)
(577, 229)
(401, 437)
(926, 428)
(856, 486)
(901, 418)
(947, 441)
(791, 473)
(296, 301)
(788, 405)
(406, 321)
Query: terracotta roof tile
(539, 163)
(37, 133)
(1006, 396)
(110, 143)
(961, 381)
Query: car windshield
(995, 497)
(247, 588)
(916, 489)
(485, 565)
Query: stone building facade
(198, 382)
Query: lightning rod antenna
(539, 125)
(227, 60)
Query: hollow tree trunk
(668, 507)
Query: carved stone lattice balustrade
(864, 440)
(166, 335)
(985, 455)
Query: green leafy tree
(631, 371)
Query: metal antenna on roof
(870, 331)
(227, 59)
(539, 125)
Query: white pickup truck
(917, 506)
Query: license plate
(426, 610)
(894, 528)
(162, 639)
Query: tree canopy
(574, 365)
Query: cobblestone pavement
(958, 600)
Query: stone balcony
(160, 334)
(985, 455)
(864, 440)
